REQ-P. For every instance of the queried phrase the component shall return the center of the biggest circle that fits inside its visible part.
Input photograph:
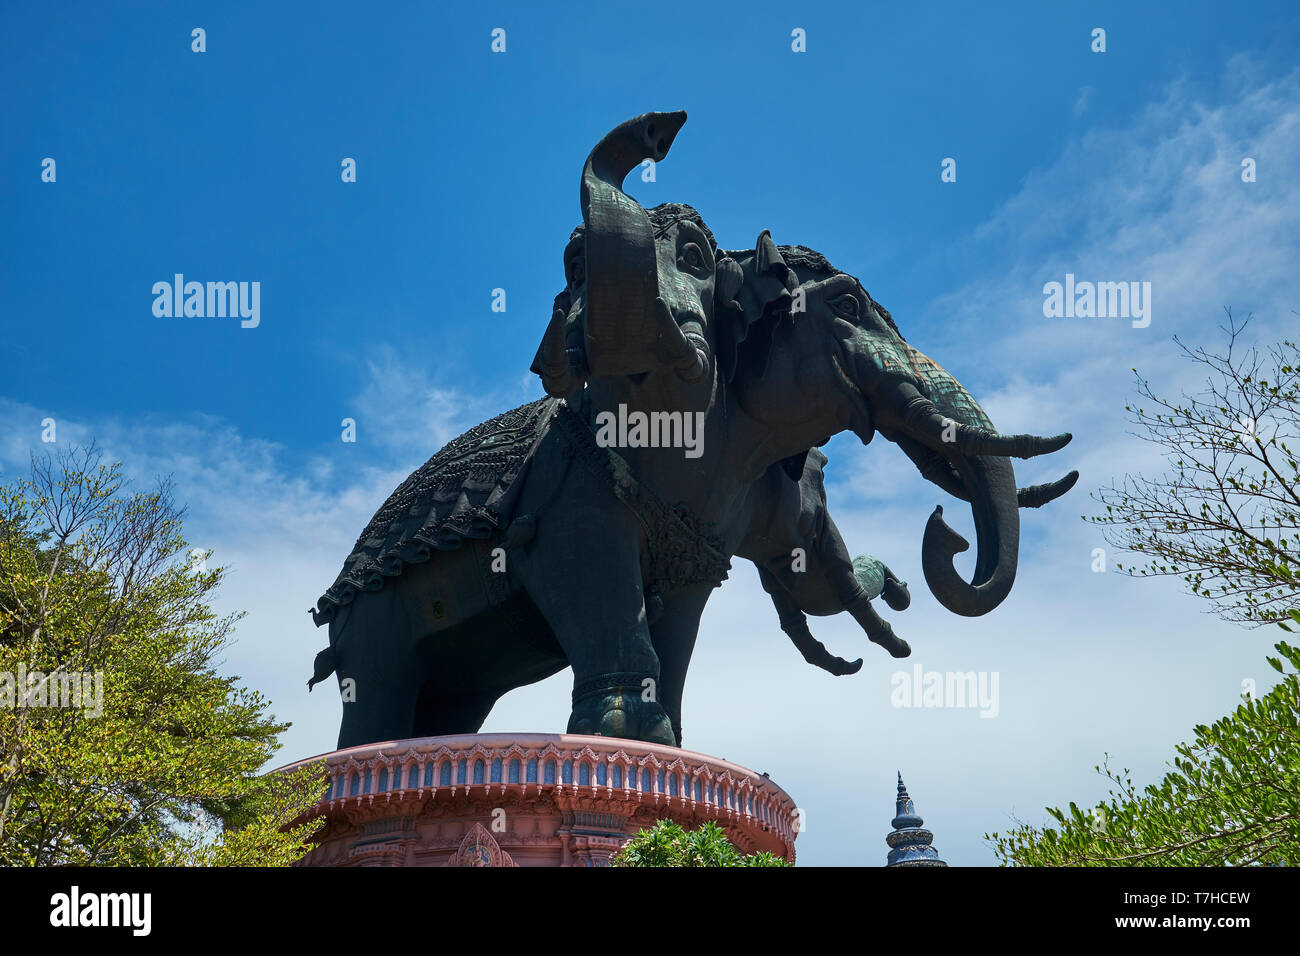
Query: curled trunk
(994, 504)
(954, 444)
(622, 282)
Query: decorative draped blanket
(467, 490)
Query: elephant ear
(561, 360)
(773, 280)
(764, 300)
(732, 320)
(812, 493)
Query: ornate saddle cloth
(466, 490)
(469, 489)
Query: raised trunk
(622, 281)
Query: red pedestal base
(531, 800)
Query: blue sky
(376, 305)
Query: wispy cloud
(1088, 662)
(281, 524)
(1081, 104)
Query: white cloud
(1087, 663)
(1084, 98)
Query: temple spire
(909, 842)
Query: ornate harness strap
(681, 554)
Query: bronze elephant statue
(589, 529)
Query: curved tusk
(938, 470)
(1035, 496)
(553, 362)
(675, 349)
(922, 418)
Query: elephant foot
(896, 646)
(895, 593)
(814, 651)
(612, 706)
(878, 629)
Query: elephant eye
(845, 305)
(692, 258)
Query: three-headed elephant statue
(588, 529)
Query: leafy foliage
(1232, 798)
(1225, 516)
(162, 768)
(668, 844)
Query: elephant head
(804, 565)
(820, 335)
(641, 285)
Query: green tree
(1231, 798)
(1224, 518)
(120, 743)
(667, 844)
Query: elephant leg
(378, 672)
(583, 572)
(674, 632)
(438, 715)
(878, 629)
(379, 695)
(846, 578)
(472, 665)
(377, 704)
(795, 625)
